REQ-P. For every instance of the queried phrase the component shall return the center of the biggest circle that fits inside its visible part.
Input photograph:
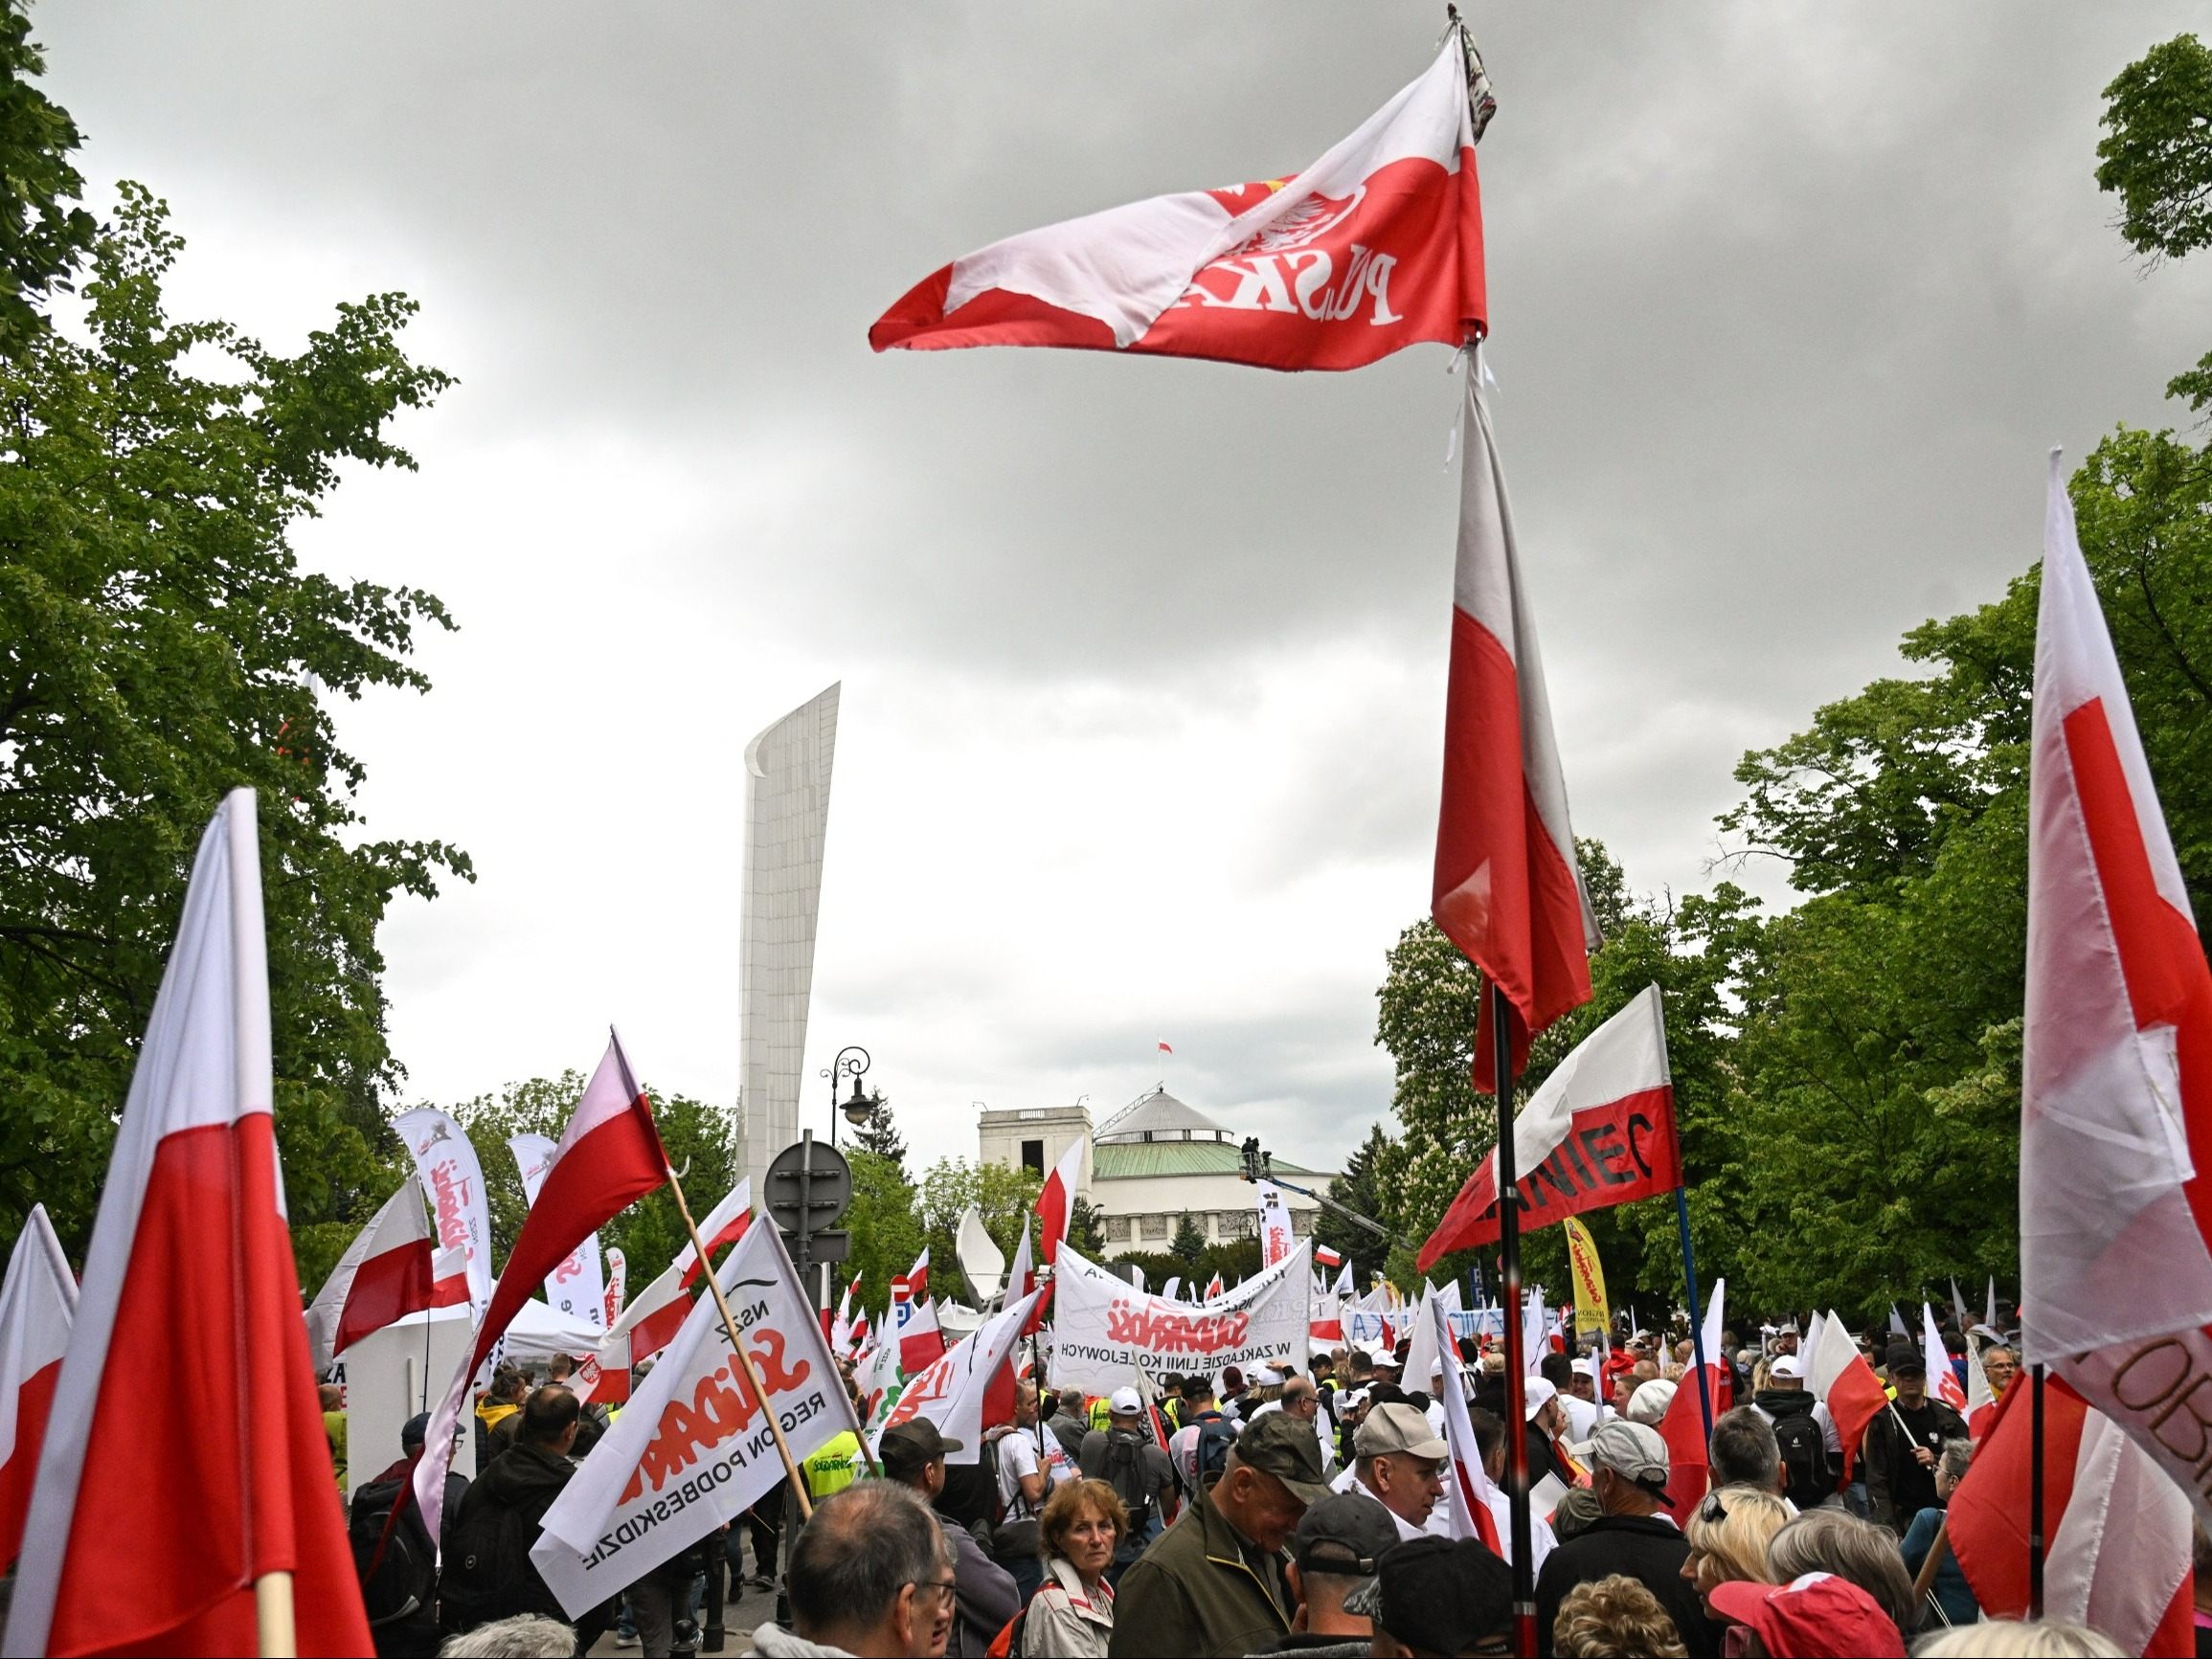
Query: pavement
(739, 1618)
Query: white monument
(786, 813)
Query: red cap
(1818, 1616)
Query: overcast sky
(1143, 661)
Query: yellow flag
(1591, 1313)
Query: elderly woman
(1073, 1614)
(1728, 1533)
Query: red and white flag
(1509, 888)
(617, 1284)
(1599, 1130)
(2116, 1174)
(1022, 1280)
(2099, 1490)
(1471, 1499)
(1838, 1376)
(1324, 1257)
(1213, 1288)
(1163, 1046)
(1684, 1427)
(841, 1325)
(385, 1274)
(186, 1371)
(609, 1157)
(577, 1285)
(1942, 1378)
(914, 1313)
(449, 1278)
(1981, 1401)
(1375, 247)
(38, 1305)
(651, 1321)
(1056, 1203)
(968, 1388)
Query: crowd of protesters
(1263, 1512)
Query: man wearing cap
(1333, 1554)
(1811, 1449)
(1214, 1582)
(1438, 1596)
(1904, 1443)
(1124, 1455)
(913, 1455)
(1398, 1460)
(1629, 1474)
(1540, 1409)
(1579, 1400)
(1819, 1615)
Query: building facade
(1149, 1165)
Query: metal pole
(1697, 1316)
(2035, 1493)
(1516, 1391)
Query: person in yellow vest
(502, 1401)
(833, 1467)
(1100, 1417)
(332, 1400)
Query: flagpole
(1697, 1317)
(2036, 1492)
(744, 1360)
(1510, 1275)
(274, 1633)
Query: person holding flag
(1905, 1442)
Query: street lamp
(850, 1062)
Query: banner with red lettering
(452, 1180)
(692, 1449)
(1105, 1333)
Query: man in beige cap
(1398, 1460)
(1628, 1471)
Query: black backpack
(1808, 1480)
(1216, 1440)
(488, 1573)
(392, 1557)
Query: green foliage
(879, 1135)
(1004, 1195)
(1360, 1187)
(1087, 1228)
(2157, 157)
(1189, 1244)
(43, 237)
(886, 1227)
(159, 646)
(1235, 1260)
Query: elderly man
(914, 1455)
(1629, 1475)
(870, 1574)
(1335, 1552)
(1398, 1460)
(1215, 1582)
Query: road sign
(805, 1190)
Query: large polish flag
(191, 1300)
(609, 1155)
(1376, 246)
(651, 1321)
(385, 1274)
(2118, 1555)
(2116, 1174)
(1508, 889)
(1838, 1376)
(1055, 1204)
(38, 1305)
(1616, 1086)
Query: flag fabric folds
(959, 1390)
(386, 1273)
(914, 1319)
(2116, 1068)
(1509, 888)
(1599, 1130)
(1839, 1376)
(1942, 1380)
(609, 1155)
(1055, 1204)
(191, 1298)
(577, 1285)
(37, 1306)
(1376, 246)
(651, 1321)
(2118, 1552)
(452, 1180)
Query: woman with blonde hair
(1073, 1614)
(1611, 1618)
(1728, 1533)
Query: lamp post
(850, 1062)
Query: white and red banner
(1838, 1376)
(877, 1370)
(694, 1449)
(453, 1179)
(1104, 1331)
(385, 1274)
(609, 1155)
(1685, 1428)
(2118, 1555)
(1508, 889)
(970, 1387)
(1599, 1130)
(650, 1323)
(2115, 1177)
(617, 1285)
(37, 1306)
(1325, 1257)
(1056, 1202)
(449, 1278)
(1376, 246)
(1278, 1238)
(186, 1371)
(1472, 1502)
(578, 1287)
(914, 1319)
(1942, 1380)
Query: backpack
(1216, 1440)
(488, 1568)
(1807, 1480)
(406, 1570)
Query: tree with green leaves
(160, 644)
(1188, 1244)
(1001, 1193)
(884, 1224)
(45, 235)
(879, 1135)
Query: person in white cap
(1632, 1536)
(1580, 1401)
(1126, 1457)
(1812, 1451)
(1539, 1407)
(1399, 1462)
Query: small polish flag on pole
(1166, 1047)
(1056, 1203)
(1325, 1257)
(37, 1306)
(187, 1369)
(385, 1274)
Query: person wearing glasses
(870, 1574)
(1071, 1617)
(1728, 1533)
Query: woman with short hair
(1072, 1615)
(1728, 1532)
